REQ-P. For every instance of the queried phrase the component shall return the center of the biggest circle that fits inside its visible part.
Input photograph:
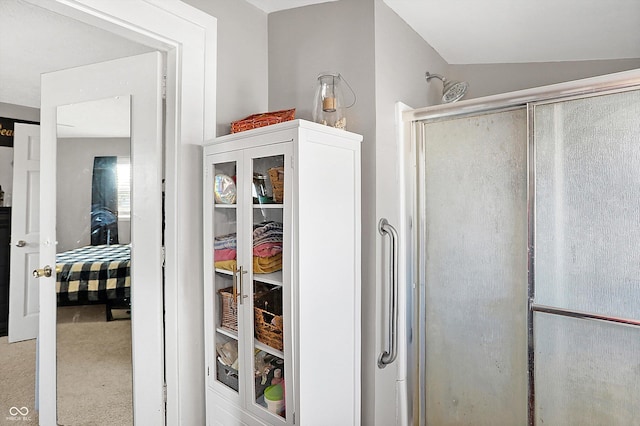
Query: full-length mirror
(93, 263)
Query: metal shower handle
(388, 356)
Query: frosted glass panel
(587, 372)
(476, 270)
(588, 204)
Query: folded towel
(267, 249)
(224, 254)
(266, 265)
(228, 241)
(261, 228)
(229, 265)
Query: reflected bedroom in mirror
(93, 262)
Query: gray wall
(19, 112)
(335, 37)
(74, 176)
(242, 59)
(401, 59)
(6, 173)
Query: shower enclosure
(526, 305)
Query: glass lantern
(329, 107)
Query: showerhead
(451, 90)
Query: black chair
(104, 226)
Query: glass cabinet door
(226, 246)
(251, 288)
(269, 254)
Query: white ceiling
(34, 41)
(102, 118)
(512, 31)
(276, 5)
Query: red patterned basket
(264, 119)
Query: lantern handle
(352, 92)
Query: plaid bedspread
(94, 273)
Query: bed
(94, 274)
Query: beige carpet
(17, 381)
(94, 370)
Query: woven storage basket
(264, 119)
(276, 175)
(227, 375)
(228, 309)
(268, 318)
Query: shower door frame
(414, 121)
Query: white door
(25, 235)
(140, 78)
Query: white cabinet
(282, 276)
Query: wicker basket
(268, 318)
(227, 375)
(276, 175)
(228, 309)
(264, 119)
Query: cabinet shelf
(255, 206)
(227, 332)
(274, 278)
(268, 206)
(224, 271)
(268, 349)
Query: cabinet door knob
(21, 243)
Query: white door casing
(141, 77)
(394, 168)
(189, 38)
(25, 233)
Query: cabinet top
(287, 125)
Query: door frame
(188, 37)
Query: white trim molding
(188, 38)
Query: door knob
(44, 272)
(21, 243)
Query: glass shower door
(472, 300)
(587, 260)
